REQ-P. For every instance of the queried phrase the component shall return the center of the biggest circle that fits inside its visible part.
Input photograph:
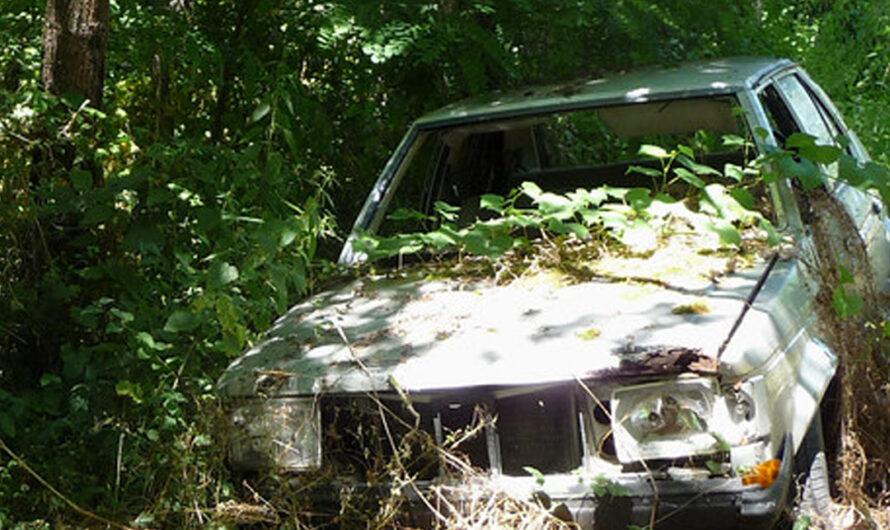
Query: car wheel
(811, 469)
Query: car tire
(811, 470)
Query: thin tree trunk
(75, 38)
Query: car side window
(779, 115)
(812, 117)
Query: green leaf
(144, 519)
(148, 340)
(723, 203)
(222, 273)
(639, 198)
(639, 236)
(438, 239)
(846, 304)
(80, 179)
(689, 177)
(801, 523)
(808, 173)
(654, 151)
(7, 425)
(554, 203)
(531, 190)
(97, 213)
(772, 235)
(143, 237)
(593, 197)
(845, 276)
(407, 214)
(714, 467)
(851, 172)
(539, 477)
(799, 139)
(700, 169)
(126, 388)
(648, 171)
(733, 172)
(260, 112)
(808, 148)
(729, 235)
(49, 379)
(722, 443)
(602, 487)
(743, 197)
(821, 154)
(124, 316)
(446, 211)
(733, 140)
(492, 202)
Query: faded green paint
(724, 76)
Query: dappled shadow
(448, 333)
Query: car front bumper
(711, 503)
(705, 504)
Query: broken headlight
(664, 420)
(282, 433)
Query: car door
(795, 104)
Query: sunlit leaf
(653, 151)
(689, 177)
(743, 197)
(647, 171)
(539, 477)
(260, 112)
(728, 234)
(532, 190)
(733, 172)
(492, 202)
(129, 389)
(700, 169)
(639, 198)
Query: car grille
(503, 431)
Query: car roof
(700, 78)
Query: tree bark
(75, 39)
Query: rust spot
(661, 360)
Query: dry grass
(477, 504)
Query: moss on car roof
(699, 78)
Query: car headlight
(664, 420)
(283, 433)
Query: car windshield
(563, 151)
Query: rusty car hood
(406, 329)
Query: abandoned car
(670, 372)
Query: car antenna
(748, 303)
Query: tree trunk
(75, 38)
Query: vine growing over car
(709, 200)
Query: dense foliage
(144, 244)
